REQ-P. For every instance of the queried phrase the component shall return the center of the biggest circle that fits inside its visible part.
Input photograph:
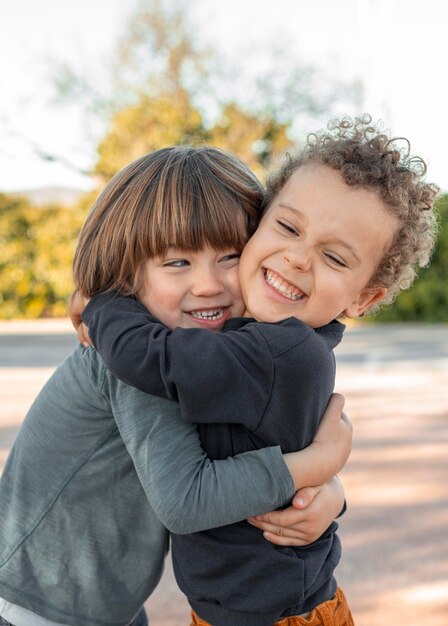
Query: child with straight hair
(98, 468)
(345, 223)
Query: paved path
(395, 545)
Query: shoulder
(278, 336)
(83, 368)
(331, 334)
(293, 338)
(286, 335)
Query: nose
(206, 282)
(299, 257)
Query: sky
(395, 48)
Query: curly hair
(368, 158)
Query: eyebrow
(350, 248)
(289, 207)
(340, 242)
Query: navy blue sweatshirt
(250, 386)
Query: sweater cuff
(280, 472)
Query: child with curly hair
(345, 224)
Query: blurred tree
(147, 126)
(161, 88)
(164, 88)
(37, 245)
(427, 299)
(157, 56)
(163, 121)
(158, 53)
(256, 138)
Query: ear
(366, 299)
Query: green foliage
(427, 299)
(256, 138)
(147, 126)
(161, 87)
(37, 246)
(159, 91)
(160, 71)
(172, 120)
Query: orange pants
(334, 612)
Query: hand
(333, 440)
(328, 452)
(76, 305)
(312, 511)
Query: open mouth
(213, 318)
(283, 287)
(209, 315)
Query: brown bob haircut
(179, 196)
(368, 158)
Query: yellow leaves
(168, 120)
(36, 251)
(151, 124)
(256, 139)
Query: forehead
(317, 195)
(318, 189)
(320, 186)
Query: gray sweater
(97, 470)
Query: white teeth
(282, 287)
(208, 315)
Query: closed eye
(336, 260)
(286, 227)
(230, 257)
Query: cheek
(159, 301)
(244, 271)
(235, 291)
(167, 300)
(144, 294)
(165, 308)
(233, 288)
(250, 251)
(333, 287)
(235, 281)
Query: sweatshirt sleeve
(199, 369)
(188, 491)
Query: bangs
(189, 198)
(196, 207)
(198, 222)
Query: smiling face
(193, 289)
(315, 250)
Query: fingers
(304, 497)
(285, 518)
(268, 527)
(279, 531)
(285, 536)
(76, 304)
(290, 527)
(345, 419)
(75, 317)
(285, 541)
(333, 413)
(83, 335)
(336, 403)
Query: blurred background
(88, 86)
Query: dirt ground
(394, 568)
